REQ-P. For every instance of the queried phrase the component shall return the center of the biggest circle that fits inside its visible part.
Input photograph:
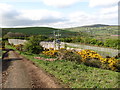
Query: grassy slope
(97, 30)
(100, 32)
(78, 75)
(38, 30)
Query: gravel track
(22, 73)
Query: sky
(57, 13)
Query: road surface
(19, 72)
(101, 50)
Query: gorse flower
(50, 52)
(86, 55)
(109, 62)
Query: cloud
(60, 3)
(80, 18)
(20, 0)
(94, 3)
(40, 14)
(109, 10)
(110, 15)
(12, 17)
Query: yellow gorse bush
(89, 54)
(50, 52)
(86, 55)
(111, 62)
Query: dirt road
(19, 72)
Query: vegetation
(33, 45)
(74, 75)
(96, 30)
(68, 56)
(37, 31)
(78, 75)
(99, 35)
(87, 57)
(113, 43)
(83, 69)
(92, 58)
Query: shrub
(3, 44)
(19, 47)
(33, 46)
(117, 56)
(110, 63)
(92, 58)
(93, 63)
(117, 65)
(88, 54)
(99, 43)
(93, 41)
(69, 55)
(51, 53)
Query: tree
(33, 45)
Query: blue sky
(57, 13)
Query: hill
(96, 29)
(38, 30)
(96, 25)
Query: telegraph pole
(56, 39)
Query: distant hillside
(98, 29)
(96, 25)
(37, 30)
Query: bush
(117, 65)
(92, 58)
(51, 53)
(99, 43)
(93, 41)
(69, 56)
(33, 45)
(19, 47)
(89, 54)
(112, 43)
(93, 63)
(110, 63)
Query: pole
(54, 40)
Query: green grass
(77, 75)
